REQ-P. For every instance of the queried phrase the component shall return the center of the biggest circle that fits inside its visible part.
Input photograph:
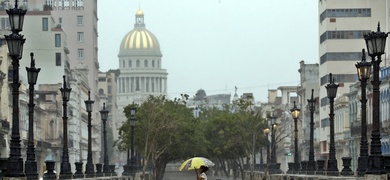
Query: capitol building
(140, 65)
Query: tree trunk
(160, 169)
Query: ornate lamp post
(266, 132)
(89, 169)
(15, 43)
(126, 168)
(311, 164)
(275, 167)
(66, 172)
(363, 71)
(133, 111)
(331, 90)
(376, 42)
(295, 114)
(104, 115)
(31, 164)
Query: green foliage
(166, 130)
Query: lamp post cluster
(266, 132)
(131, 167)
(15, 43)
(104, 116)
(89, 170)
(272, 165)
(376, 42)
(132, 124)
(295, 114)
(331, 90)
(363, 71)
(65, 172)
(311, 164)
(31, 164)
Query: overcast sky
(218, 44)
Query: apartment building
(342, 25)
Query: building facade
(342, 25)
(140, 66)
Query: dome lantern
(139, 19)
(139, 40)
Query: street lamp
(364, 72)
(275, 167)
(266, 132)
(15, 43)
(133, 111)
(89, 169)
(311, 164)
(66, 172)
(104, 116)
(376, 42)
(31, 164)
(295, 114)
(331, 90)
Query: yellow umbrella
(195, 163)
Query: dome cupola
(139, 41)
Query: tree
(165, 131)
(234, 133)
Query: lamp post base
(311, 167)
(362, 165)
(17, 168)
(106, 170)
(66, 172)
(375, 164)
(31, 170)
(126, 170)
(89, 170)
(332, 168)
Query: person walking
(202, 174)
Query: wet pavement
(189, 175)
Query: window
(57, 40)
(58, 59)
(80, 37)
(153, 63)
(45, 24)
(101, 91)
(80, 53)
(60, 20)
(123, 63)
(109, 89)
(138, 63)
(5, 24)
(80, 21)
(146, 63)
(129, 63)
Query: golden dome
(138, 39)
(139, 13)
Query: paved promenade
(189, 175)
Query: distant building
(341, 29)
(140, 66)
(140, 70)
(200, 99)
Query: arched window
(129, 63)
(138, 63)
(146, 63)
(153, 63)
(101, 91)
